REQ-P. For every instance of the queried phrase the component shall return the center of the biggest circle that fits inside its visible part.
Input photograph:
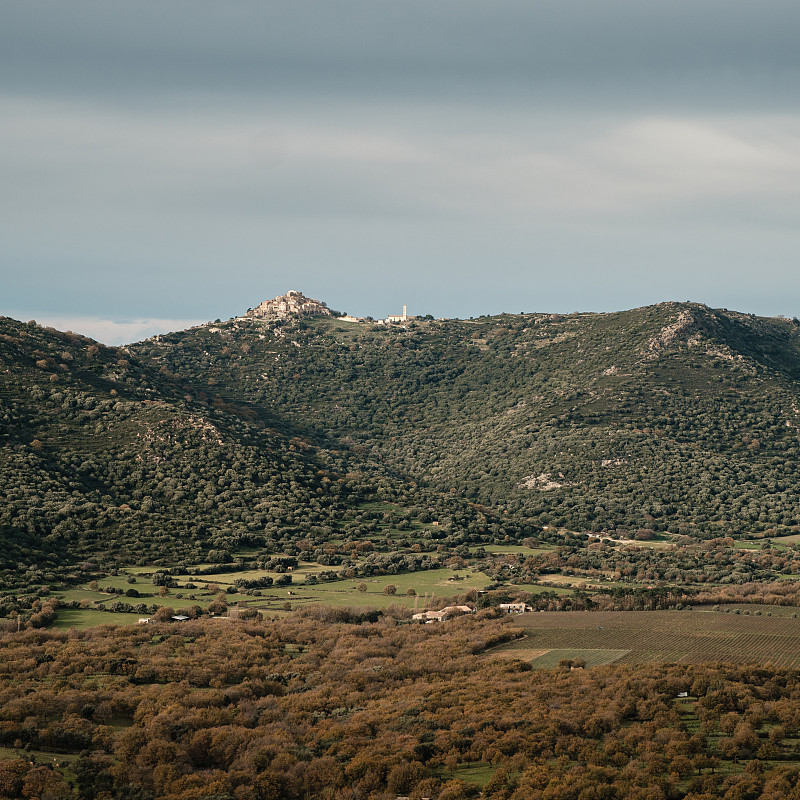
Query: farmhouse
(443, 614)
(515, 608)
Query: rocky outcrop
(291, 304)
(678, 332)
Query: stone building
(291, 304)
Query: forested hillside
(282, 495)
(673, 417)
(105, 457)
(256, 432)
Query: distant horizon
(115, 333)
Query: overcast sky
(169, 162)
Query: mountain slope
(674, 417)
(104, 456)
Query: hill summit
(291, 304)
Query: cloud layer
(190, 159)
(110, 332)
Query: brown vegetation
(324, 704)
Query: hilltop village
(296, 304)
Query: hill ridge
(675, 417)
(481, 405)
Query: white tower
(405, 317)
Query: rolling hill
(672, 417)
(263, 432)
(106, 458)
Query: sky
(168, 162)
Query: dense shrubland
(686, 563)
(105, 458)
(185, 449)
(323, 704)
(673, 417)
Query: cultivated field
(666, 636)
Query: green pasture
(785, 541)
(137, 570)
(536, 588)
(478, 773)
(178, 598)
(654, 544)
(79, 593)
(273, 599)
(229, 578)
(426, 584)
(142, 585)
(502, 549)
(42, 757)
(81, 618)
(148, 594)
(439, 582)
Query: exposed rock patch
(676, 332)
(543, 482)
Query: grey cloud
(188, 159)
(624, 51)
(185, 213)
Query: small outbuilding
(515, 608)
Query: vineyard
(630, 637)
